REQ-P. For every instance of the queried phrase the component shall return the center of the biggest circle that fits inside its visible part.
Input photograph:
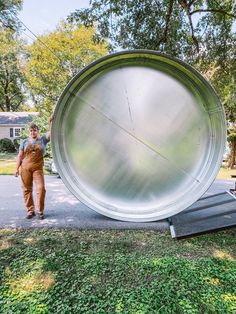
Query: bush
(231, 137)
(7, 146)
(16, 143)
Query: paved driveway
(63, 210)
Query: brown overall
(32, 171)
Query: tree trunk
(7, 103)
(232, 155)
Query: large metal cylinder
(138, 136)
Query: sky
(42, 16)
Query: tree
(11, 77)
(223, 77)
(8, 11)
(55, 58)
(231, 138)
(180, 28)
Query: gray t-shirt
(41, 141)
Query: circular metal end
(138, 136)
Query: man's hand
(50, 119)
(48, 134)
(17, 173)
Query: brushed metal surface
(138, 136)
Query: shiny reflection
(138, 136)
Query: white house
(12, 123)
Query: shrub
(231, 137)
(16, 143)
(232, 144)
(6, 145)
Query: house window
(17, 131)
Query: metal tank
(138, 136)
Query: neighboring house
(12, 123)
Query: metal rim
(215, 121)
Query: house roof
(16, 117)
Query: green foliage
(66, 271)
(179, 28)
(8, 8)
(222, 75)
(41, 121)
(16, 143)
(231, 137)
(11, 77)
(50, 68)
(229, 94)
(6, 145)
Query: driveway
(64, 210)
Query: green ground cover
(68, 271)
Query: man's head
(34, 130)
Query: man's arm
(19, 161)
(48, 134)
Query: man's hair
(33, 126)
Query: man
(30, 159)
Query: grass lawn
(135, 272)
(8, 163)
(7, 156)
(226, 173)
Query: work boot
(30, 215)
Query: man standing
(30, 159)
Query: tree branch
(184, 5)
(192, 33)
(13, 95)
(168, 16)
(2, 82)
(16, 106)
(186, 8)
(213, 11)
